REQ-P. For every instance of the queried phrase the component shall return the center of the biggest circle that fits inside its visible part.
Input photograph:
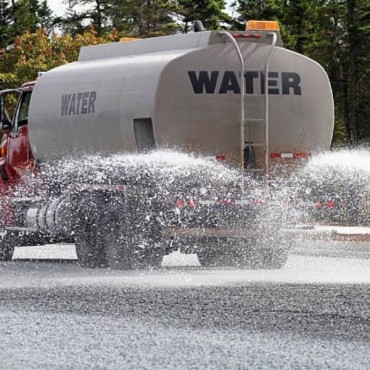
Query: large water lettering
(216, 82)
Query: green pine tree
(6, 19)
(210, 12)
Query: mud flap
(8, 241)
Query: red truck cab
(16, 158)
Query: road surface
(314, 313)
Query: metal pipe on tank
(242, 93)
(268, 56)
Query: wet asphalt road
(315, 313)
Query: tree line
(336, 33)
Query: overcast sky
(57, 6)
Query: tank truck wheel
(267, 258)
(210, 259)
(221, 252)
(127, 250)
(269, 253)
(260, 259)
(132, 242)
(90, 249)
(228, 258)
(275, 259)
(8, 242)
(209, 255)
(250, 254)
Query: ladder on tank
(256, 127)
(247, 146)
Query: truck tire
(269, 258)
(128, 249)
(90, 248)
(261, 259)
(8, 241)
(227, 254)
(132, 241)
(250, 254)
(272, 250)
(110, 233)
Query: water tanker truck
(236, 96)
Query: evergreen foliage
(336, 33)
(210, 12)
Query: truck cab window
(8, 103)
(23, 110)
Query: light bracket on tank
(246, 35)
(262, 26)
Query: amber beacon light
(3, 150)
(262, 26)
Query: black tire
(90, 248)
(272, 250)
(250, 254)
(111, 233)
(227, 257)
(268, 258)
(222, 252)
(132, 242)
(8, 242)
(128, 249)
(212, 252)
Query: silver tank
(180, 92)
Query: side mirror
(6, 126)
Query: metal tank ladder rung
(256, 128)
(243, 121)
